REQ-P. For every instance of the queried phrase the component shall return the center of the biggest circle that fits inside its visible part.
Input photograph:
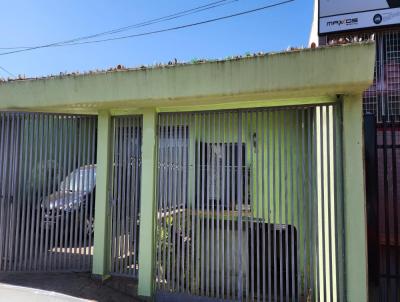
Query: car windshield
(80, 180)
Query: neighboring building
(237, 179)
(353, 21)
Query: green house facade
(237, 179)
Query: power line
(157, 31)
(173, 16)
(5, 70)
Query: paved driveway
(79, 285)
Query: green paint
(311, 76)
(147, 205)
(289, 75)
(101, 252)
(354, 196)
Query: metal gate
(125, 199)
(383, 185)
(250, 205)
(382, 142)
(47, 184)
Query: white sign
(344, 15)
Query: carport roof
(306, 75)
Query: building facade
(239, 179)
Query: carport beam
(147, 205)
(101, 227)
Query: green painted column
(147, 205)
(101, 250)
(354, 200)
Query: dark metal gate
(250, 205)
(125, 199)
(383, 186)
(47, 184)
(382, 145)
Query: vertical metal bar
(119, 194)
(137, 183)
(293, 228)
(174, 172)
(194, 200)
(252, 188)
(231, 198)
(317, 112)
(168, 211)
(203, 201)
(124, 166)
(322, 153)
(206, 188)
(178, 184)
(2, 199)
(43, 196)
(223, 168)
(130, 196)
(240, 200)
(46, 211)
(198, 216)
(275, 125)
(386, 209)
(329, 202)
(93, 177)
(91, 133)
(74, 170)
(64, 224)
(56, 228)
(160, 198)
(184, 267)
(269, 151)
(10, 221)
(212, 145)
(217, 194)
(121, 198)
(310, 198)
(134, 200)
(5, 191)
(37, 193)
(80, 170)
(186, 198)
(164, 165)
(9, 204)
(26, 200)
(286, 222)
(280, 204)
(84, 230)
(21, 121)
(168, 138)
(257, 211)
(304, 198)
(137, 179)
(395, 208)
(298, 200)
(263, 202)
(246, 202)
(337, 209)
(32, 241)
(114, 195)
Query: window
(217, 175)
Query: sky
(32, 23)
